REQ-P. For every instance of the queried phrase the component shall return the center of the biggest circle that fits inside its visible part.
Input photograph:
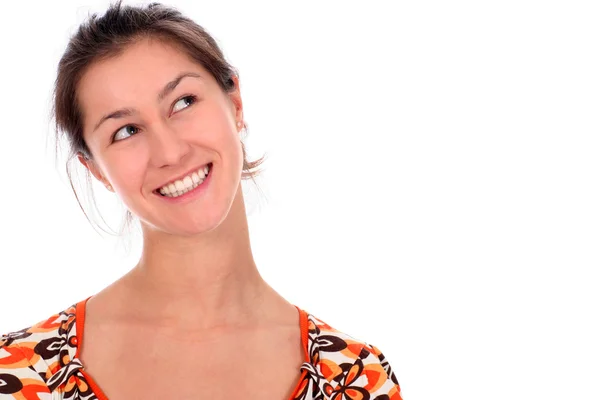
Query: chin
(190, 225)
(192, 220)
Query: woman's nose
(166, 146)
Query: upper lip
(180, 177)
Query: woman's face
(167, 117)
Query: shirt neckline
(80, 321)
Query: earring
(239, 124)
(109, 187)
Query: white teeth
(195, 178)
(186, 184)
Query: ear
(236, 100)
(93, 168)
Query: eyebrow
(166, 90)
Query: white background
(431, 184)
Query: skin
(196, 305)
(196, 277)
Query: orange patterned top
(41, 362)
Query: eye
(127, 130)
(184, 102)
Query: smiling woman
(153, 111)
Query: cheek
(127, 171)
(234, 147)
(211, 127)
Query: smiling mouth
(185, 184)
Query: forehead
(136, 75)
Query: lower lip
(192, 194)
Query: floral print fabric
(41, 363)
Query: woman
(153, 111)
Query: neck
(205, 280)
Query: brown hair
(107, 36)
